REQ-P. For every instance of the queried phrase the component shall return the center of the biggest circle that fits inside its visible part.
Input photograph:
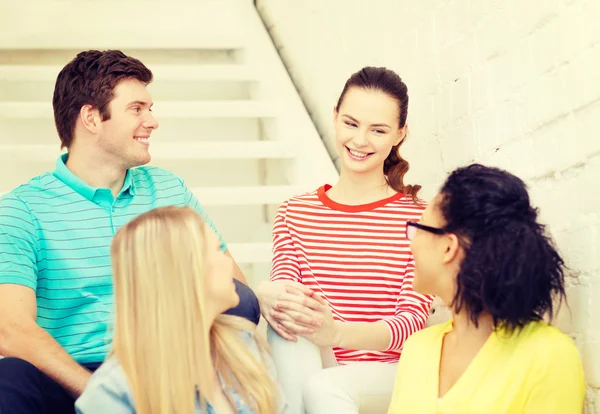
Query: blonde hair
(161, 335)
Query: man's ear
(90, 118)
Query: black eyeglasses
(411, 229)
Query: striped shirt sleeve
(412, 311)
(18, 244)
(285, 261)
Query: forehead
(130, 90)
(370, 106)
(432, 214)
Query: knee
(14, 368)
(315, 385)
(248, 307)
(318, 389)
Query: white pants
(313, 383)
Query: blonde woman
(173, 351)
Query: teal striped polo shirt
(55, 236)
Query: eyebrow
(143, 103)
(373, 125)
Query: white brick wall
(510, 83)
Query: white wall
(510, 83)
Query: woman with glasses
(481, 249)
(340, 302)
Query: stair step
(164, 109)
(245, 195)
(175, 151)
(216, 72)
(251, 252)
(223, 150)
(180, 24)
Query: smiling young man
(56, 294)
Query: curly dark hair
(511, 268)
(90, 79)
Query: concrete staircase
(231, 122)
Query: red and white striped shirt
(358, 258)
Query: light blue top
(55, 236)
(108, 390)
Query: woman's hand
(289, 307)
(327, 331)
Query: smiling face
(124, 137)
(366, 129)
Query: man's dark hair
(90, 79)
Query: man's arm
(22, 337)
(189, 199)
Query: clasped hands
(293, 310)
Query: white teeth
(358, 154)
(144, 140)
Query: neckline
(65, 175)
(324, 198)
(472, 367)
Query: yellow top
(534, 370)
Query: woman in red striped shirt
(340, 302)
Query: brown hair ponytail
(394, 169)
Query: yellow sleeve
(560, 386)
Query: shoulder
(420, 340)
(147, 180)
(551, 360)
(422, 345)
(111, 378)
(45, 183)
(249, 339)
(151, 172)
(110, 372)
(299, 201)
(546, 342)
(431, 332)
(17, 204)
(306, 197)
(251, 342)
(546, 352)
(12, 201)
(407, 204)
(107, 391)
